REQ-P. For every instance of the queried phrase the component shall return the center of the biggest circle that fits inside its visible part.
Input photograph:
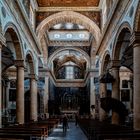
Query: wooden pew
(118, 136)
(96, 130)
(36, 132)
(33, 129)
(16, 136)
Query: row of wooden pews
(96, 130)
(29, 131)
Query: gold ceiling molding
(54, 9)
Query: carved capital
(33, 76)
(19, 63)
(135, 39)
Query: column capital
(19, 63)
(33, 76)
(135, 39)
(115, 63)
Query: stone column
(92, 96)
(33, 92)
(93, 73)
(103, 93)
(115, 88)
(4, 92)
(20, 91)
(46, 95)
(135, 40)
(7, 94)
(0, 87)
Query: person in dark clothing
(65, 123)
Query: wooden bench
(33, 129)
(25, 130)
(16, 136)
(115, 136)
(96, 130)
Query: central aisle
(73, 133)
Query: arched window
(69, 72)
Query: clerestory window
(69, 72)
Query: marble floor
(73, 133)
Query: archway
(10, 54)
(106, 80)
(30, 72)
(106, 62)
(70, 17)
(76, 58)
(122, 56)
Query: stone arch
(30, 62)
(106, 60)
(137, 19)
(16, 37)
(125, 26)
(68, 48)
(69, 16)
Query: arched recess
(11, 32)
(106, 62)
(122, 50)
(11, 51)
(30, 63)
(52, 57)
(67, 16)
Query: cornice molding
(54, 9)
(68, 43)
